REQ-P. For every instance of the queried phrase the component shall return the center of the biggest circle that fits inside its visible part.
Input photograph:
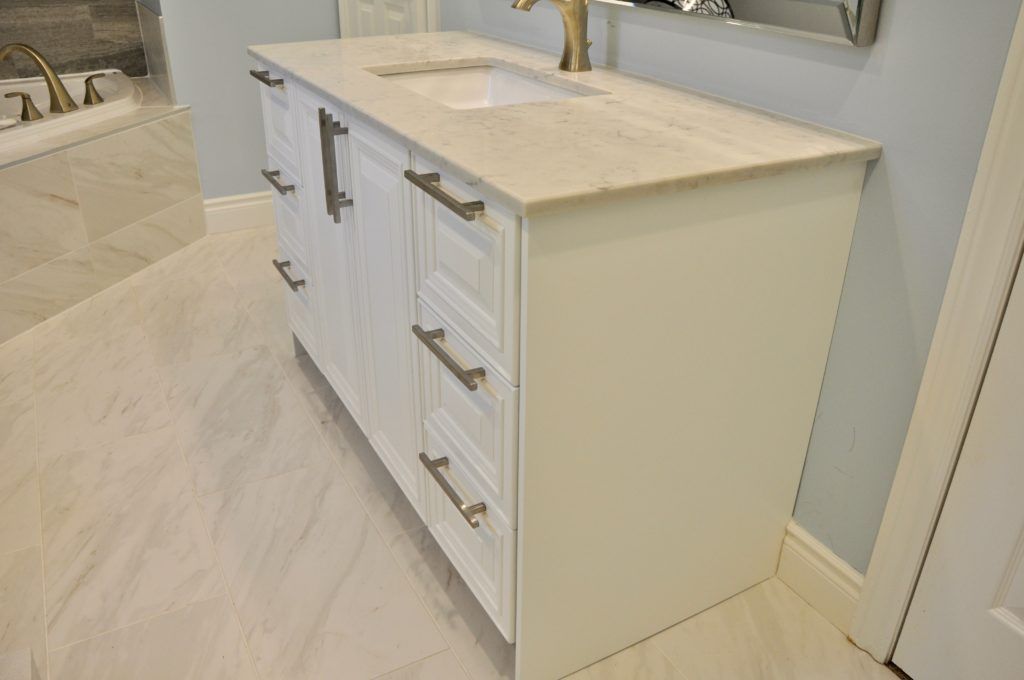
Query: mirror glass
(850, 22)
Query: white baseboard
(242, 211)
(820, 577)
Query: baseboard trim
(820, 577)
(241, 211)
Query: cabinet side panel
(674, 351)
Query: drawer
(485, 556)
(482, 424)
(468, 269)
(279, 122)
(288, 212)
(299, 291)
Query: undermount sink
(484, 85)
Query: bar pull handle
(272, 176)
(469, 512)
(428, 182)
(467, 377)
(336, 199)
(292, 283)
(264, 77)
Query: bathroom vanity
(583, 319)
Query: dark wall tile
(73, 35)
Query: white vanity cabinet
(599, 406)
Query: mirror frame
(861, 35)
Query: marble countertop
(641, 138)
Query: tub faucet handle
(91, 95)
(29, 112)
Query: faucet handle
(29, 112)
(92, 97)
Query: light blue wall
(926, 91)
(206, 43)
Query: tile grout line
(39, 488)
(191, 481)
(411, 664)
(337, 464)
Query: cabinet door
(332, 253)
(384, 232)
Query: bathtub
(118, 91)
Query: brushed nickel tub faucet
(60, 100)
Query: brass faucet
(60, 100)
(575, 54)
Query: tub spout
(60, 100)
(575, 54)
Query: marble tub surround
(79, 220)
(310, 570)
(643, 138)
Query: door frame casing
(433, 17)
(983, 272)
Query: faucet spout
(575, 13)
(60, 100)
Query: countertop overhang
(643, 138)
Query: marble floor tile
(200, 642)
(40, 220)
(443, 666)
(316, 588)
(238, 419)
(123, 540)
(139, 245)
(108, 314)
(483, 651)
(196, 317)
(16, 368)
(196, 260)
(126, 177)
(96, 389)
(19, 484)
(765, 633)
(384, 500)
(246, 255)
(642, 661)
(21, 606)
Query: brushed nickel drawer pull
(469, 512)
(467, 377)
(429, 183)
(264, 77)
(336, 199)
(272, 176)
(292, 283)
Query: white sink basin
(484, 85)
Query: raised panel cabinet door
(384, 234)
(386, 17)
(332, 253)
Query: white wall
(926, 91)
(206, 43)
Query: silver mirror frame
(860, 26)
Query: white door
(966, 619)
(332, 254)
(384, 231)
(386, 17)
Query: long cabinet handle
(336, 199)
(428, 182)
(468, 511)
(264, 77)
(467, 377)
(292, 283)
(271, 176)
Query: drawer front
(288, 213)
(482, 424)
(279, 123)
(484, 556)
(299, 301)
(469, 269)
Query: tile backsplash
(73, 35)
